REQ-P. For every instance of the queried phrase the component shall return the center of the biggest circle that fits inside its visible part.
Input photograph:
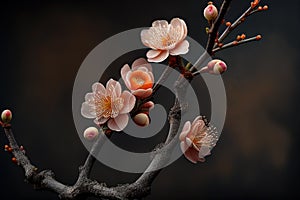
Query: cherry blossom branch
(87, 187)
(236, 43)
(230, 27)
(213, 33)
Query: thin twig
(237, 43)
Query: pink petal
(190, 153)
(98, 88)
(127, 80)
(148, 105)
(185, 130)
(146, 38)
(161, 57)
(153, 53)
(176, 22)
(184, 27)
(142, 93)
(199, 118)
(160, 23)
(147, 66)
(188, 142)
(113, 88)
(129, 102)
(118, 123)
(139, 62)
(197, 127)
(87, 110)
(181, 48)
(124, 71)
(90, 98)
(100, 121)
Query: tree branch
(213, 32)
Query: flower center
(167, 41)
(140, 80)
(103, 107)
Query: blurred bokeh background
(43, 43)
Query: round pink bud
(141, 119)
(220, 67)
(6, 116)
(90, 133)
(210, 12)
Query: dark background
(44, 42)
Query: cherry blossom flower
(109, 105)
(139, 79)
(197, 139)
(164, 39)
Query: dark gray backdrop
(44, 42)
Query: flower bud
(6, 116)
(141, 119)
(220, 67)
(216, 67)
(90, 133)
(210, 12)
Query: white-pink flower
(139, 79)
(109, 105)
(197, 140)
(164, 39)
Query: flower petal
(185, 130)
(118, 123)
(146, 38)
(129, 102)
(181, 48)
(148, 105)
(90, 98)
(190, 153)
(160, 23)
(113, 88)
(153, 53)
(188, 142)
(100, 121)
(124, 70)
(142, 93)
(87, 110)
(161, 57)
(98, 88)
(138, 62)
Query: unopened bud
(216, 67)
(6, 116)
(90, 133)
(141, 119)
(210, 12)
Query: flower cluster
(111, 107)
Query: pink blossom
(139, 79)
(109, 105)
(197, 139)
(164, 39)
